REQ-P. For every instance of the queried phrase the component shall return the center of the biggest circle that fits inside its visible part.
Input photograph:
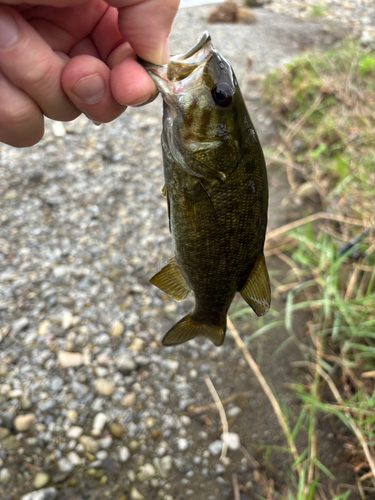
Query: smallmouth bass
(217, 193)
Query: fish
(217, 193)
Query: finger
(85, 47)
(31, 65)
(146, 25)
(54, 3)
(86, 81)
(130, 83)
(21, 121)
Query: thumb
(146, 25)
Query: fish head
(203, 110)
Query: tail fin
(187, 329)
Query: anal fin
(171, 281)
(257, 291)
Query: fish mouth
(169, 79)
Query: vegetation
(325, 105)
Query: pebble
(117, 329)
(182, 444)
(146, 472)
(23, 422)
(69, 359)
(74, 432)
(74, 458)
(164, 465)
(57, 384)
(43, 494)
(125, 363)
(215, 447)
(124, 454)
(19, 325)
(135, 494)
(129, 400)
(90, 444)
(234, 412)
(99, 421)
(41, 480)
(233, 439)
(117, 430)
(67, 320)
(65, 465)
(4, 432)
(5, 476)
(104, 387)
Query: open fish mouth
(181, 73)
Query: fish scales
(217, 193)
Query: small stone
(105, 443)
(58, 129)
(67, 320)
(234, 412)
(43, 494)
(41, 480)
(72, 415)
(124, 454)
(182, 444)
(5, 476)
(117, 430)
(99, 421)
(25, 403)
(125, 363)
(23, 422)
(65, 465)
(56, 384)
(137, 344)
(150, 422)
(135, 494)
(44, 328)
(103, 339)
(19, 325)
(61, 274)
(15, 394)
(80, 390)
(11, 443)
(90, 444)
(117, 329)
(4, 433)
(104, 387)
(234, 443)
(215, 447)
(74, 458)
(102, 455)
(69, 359)
(7, 419)
(146, 472)
(164, 465)
(129, 400)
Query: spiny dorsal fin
(256, 290)
(171, 281)
(187, 329)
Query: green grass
(325, 106)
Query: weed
(325, 104)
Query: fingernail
(91, 89)
(8, 30)
(166, 53)
(143, 100)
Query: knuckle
(40, 76)
(21, 125)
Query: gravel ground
(91, 404)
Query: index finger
(146, 25)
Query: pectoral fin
(257, 291)
(200, 205)
(171, 281)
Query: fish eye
(222, 94)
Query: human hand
(61, 58)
